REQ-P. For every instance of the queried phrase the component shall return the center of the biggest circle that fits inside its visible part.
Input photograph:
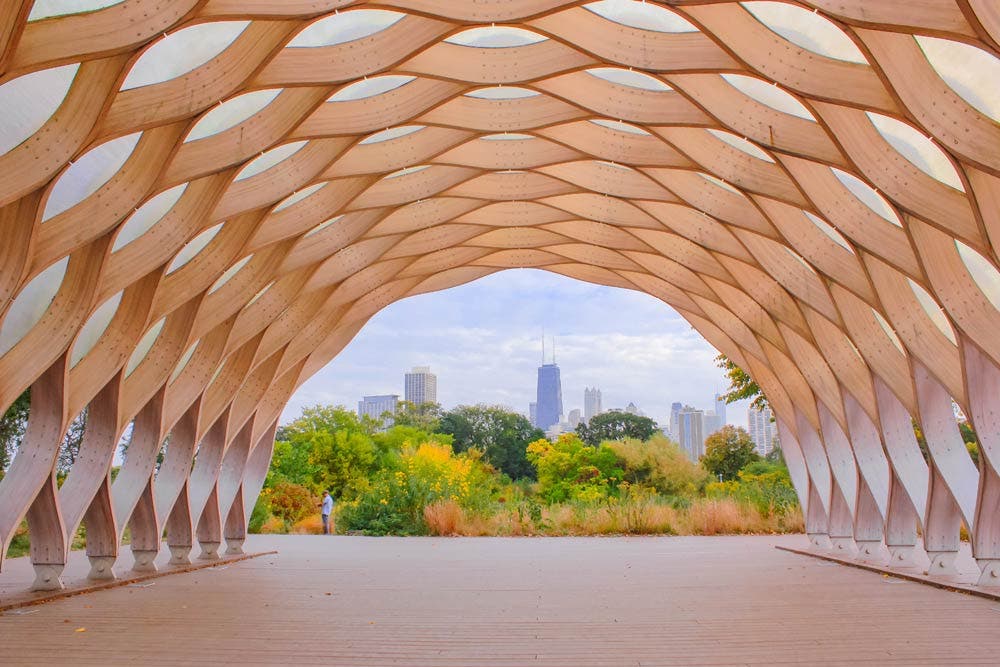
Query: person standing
(327, 506)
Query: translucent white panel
(262, 291)
(193, 247)
(95, 327)
(933, 310)
(917, 148)
(30, 100)
(323, 225)
(300, 195)
(345, 27)
(43, 9)
(768, 94)
(888, 331)
(506, 136)
(970, 72)
(145, 344)
(718, 181)
(182, 364)
(741, 144)
(147, 215)
(982, 271)
(502, 93)
(867, 196)
(620, 126)
(90, 172)
(183, 51)
(807, 29)
(496, 37)
(270, 159)
(828, 229)
(370, 87)
(391, 133)
(229, 273)
(231, 113)
(407, 170)
(31, 304)
(628, 77)
(643, 15)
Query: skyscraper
(720, 409)
(533, 413)
(763, 430)
(573, 417)
(691, 431)
(421, 386)
(591, 403)
(376, 406)
(548, 411)
(675, 411)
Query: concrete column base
(48, 577)
(234, 546)
(991, 572)
(101, 568)
(902, 555)
(209, 551)
(942, 563)
(180, 555)
(819, 542)
(144, 561)
(843, 546)
(872, 552)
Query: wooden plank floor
(343, 601)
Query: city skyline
(482, 342)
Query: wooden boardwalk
(344, 601)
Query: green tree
(327, 448)
(502, 435)
(70, 449)
(727, 451)
(424, 416)
(12, 427)
(615, 425)
(659, 464)
(741, 385)
(569, 469)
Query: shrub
(569, 469)
(290, 502)
(660, 464)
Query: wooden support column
(844, 470)
(171, 492)
(203, 487)
(85, 494)
(951, 497)
(132, 491)
(983, 389)
(910, 475)
(818, 512)
(873, 483)
(230, 482)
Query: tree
(70, 449)
(659, 464)
(569, 469)
(727, 451)
(12, 427)
(741, 385)
(615, 425)
(424, 416)
(502, 435)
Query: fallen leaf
(80, 630)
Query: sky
(483, 341)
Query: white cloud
(483, 340)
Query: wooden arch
(203, 201)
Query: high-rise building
(376, 406)
(720, 409)
(548, 410)
(675, 410)
(632, 409)
(591, 403)
(574, 417)
(691, 431)
(763, 430)
(421, 386)
(533, 413)
(713, 422)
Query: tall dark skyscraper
(548, 410)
